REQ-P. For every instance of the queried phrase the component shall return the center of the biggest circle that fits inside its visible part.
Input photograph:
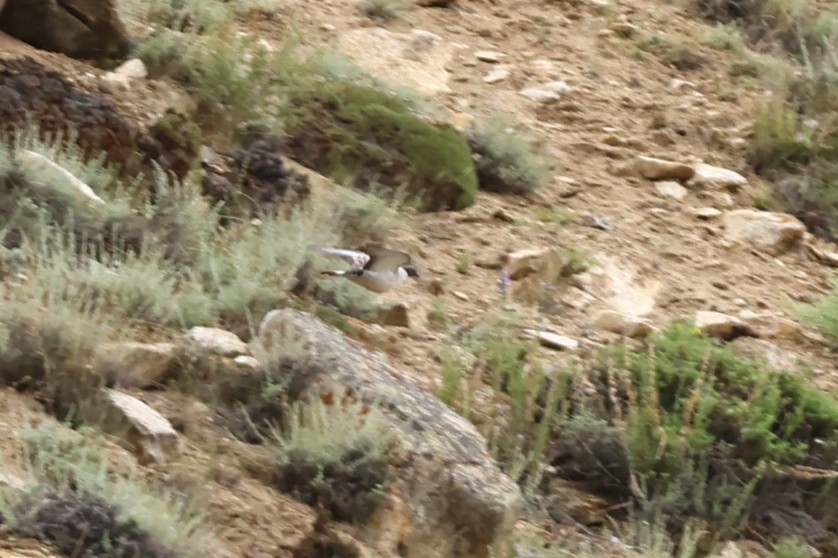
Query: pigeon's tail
(333, 273)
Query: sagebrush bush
(335, 453)
(71, 499)
(506, 161)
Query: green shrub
(789, 547)
(335, 454)
(694, 428)
(362, 135)
(227, 74)
(505, 160)
(519, 420)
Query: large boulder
(455, 500)
(80, 28)
(367, 137)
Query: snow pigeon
(376, 269)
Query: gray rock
(653, 168)
(521, 263)
(622, 324)
(671, 189)
(217, 341)
(140, 428)
(546, 92)
(34, 165)
(498, 74)
(553, 340)
(455, 493)
(488, 56)
(706, 213)
(134, 364)
(775, 233)
(708, 175)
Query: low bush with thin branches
(72, 500)
(334, 453)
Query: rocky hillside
(623, 340)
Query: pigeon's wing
(354, 258)
(382, 259)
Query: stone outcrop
(458, 502)
(139, 428)
(775, 233)
(80, 28)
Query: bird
(377, 269)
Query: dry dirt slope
(654, 251)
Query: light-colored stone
(489, 56)
(418, 59)
(549, 91)
(498, 74)
(653, 168)
(133, 68)
(134, 364)
(775, 233)
(217, 341)
(247, 363)
(708, 175)
(39, 167)
(621, 324)
(553, 340)
(706, 213)
(671, 189)
(680, 85)
(140, 428)
(8, 480)
(455, 492)
(632, 291)
(525, 262)
(824, 256)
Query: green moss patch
(362, 135)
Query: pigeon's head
(411, 271)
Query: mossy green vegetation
(680, 425)
(364, 136)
